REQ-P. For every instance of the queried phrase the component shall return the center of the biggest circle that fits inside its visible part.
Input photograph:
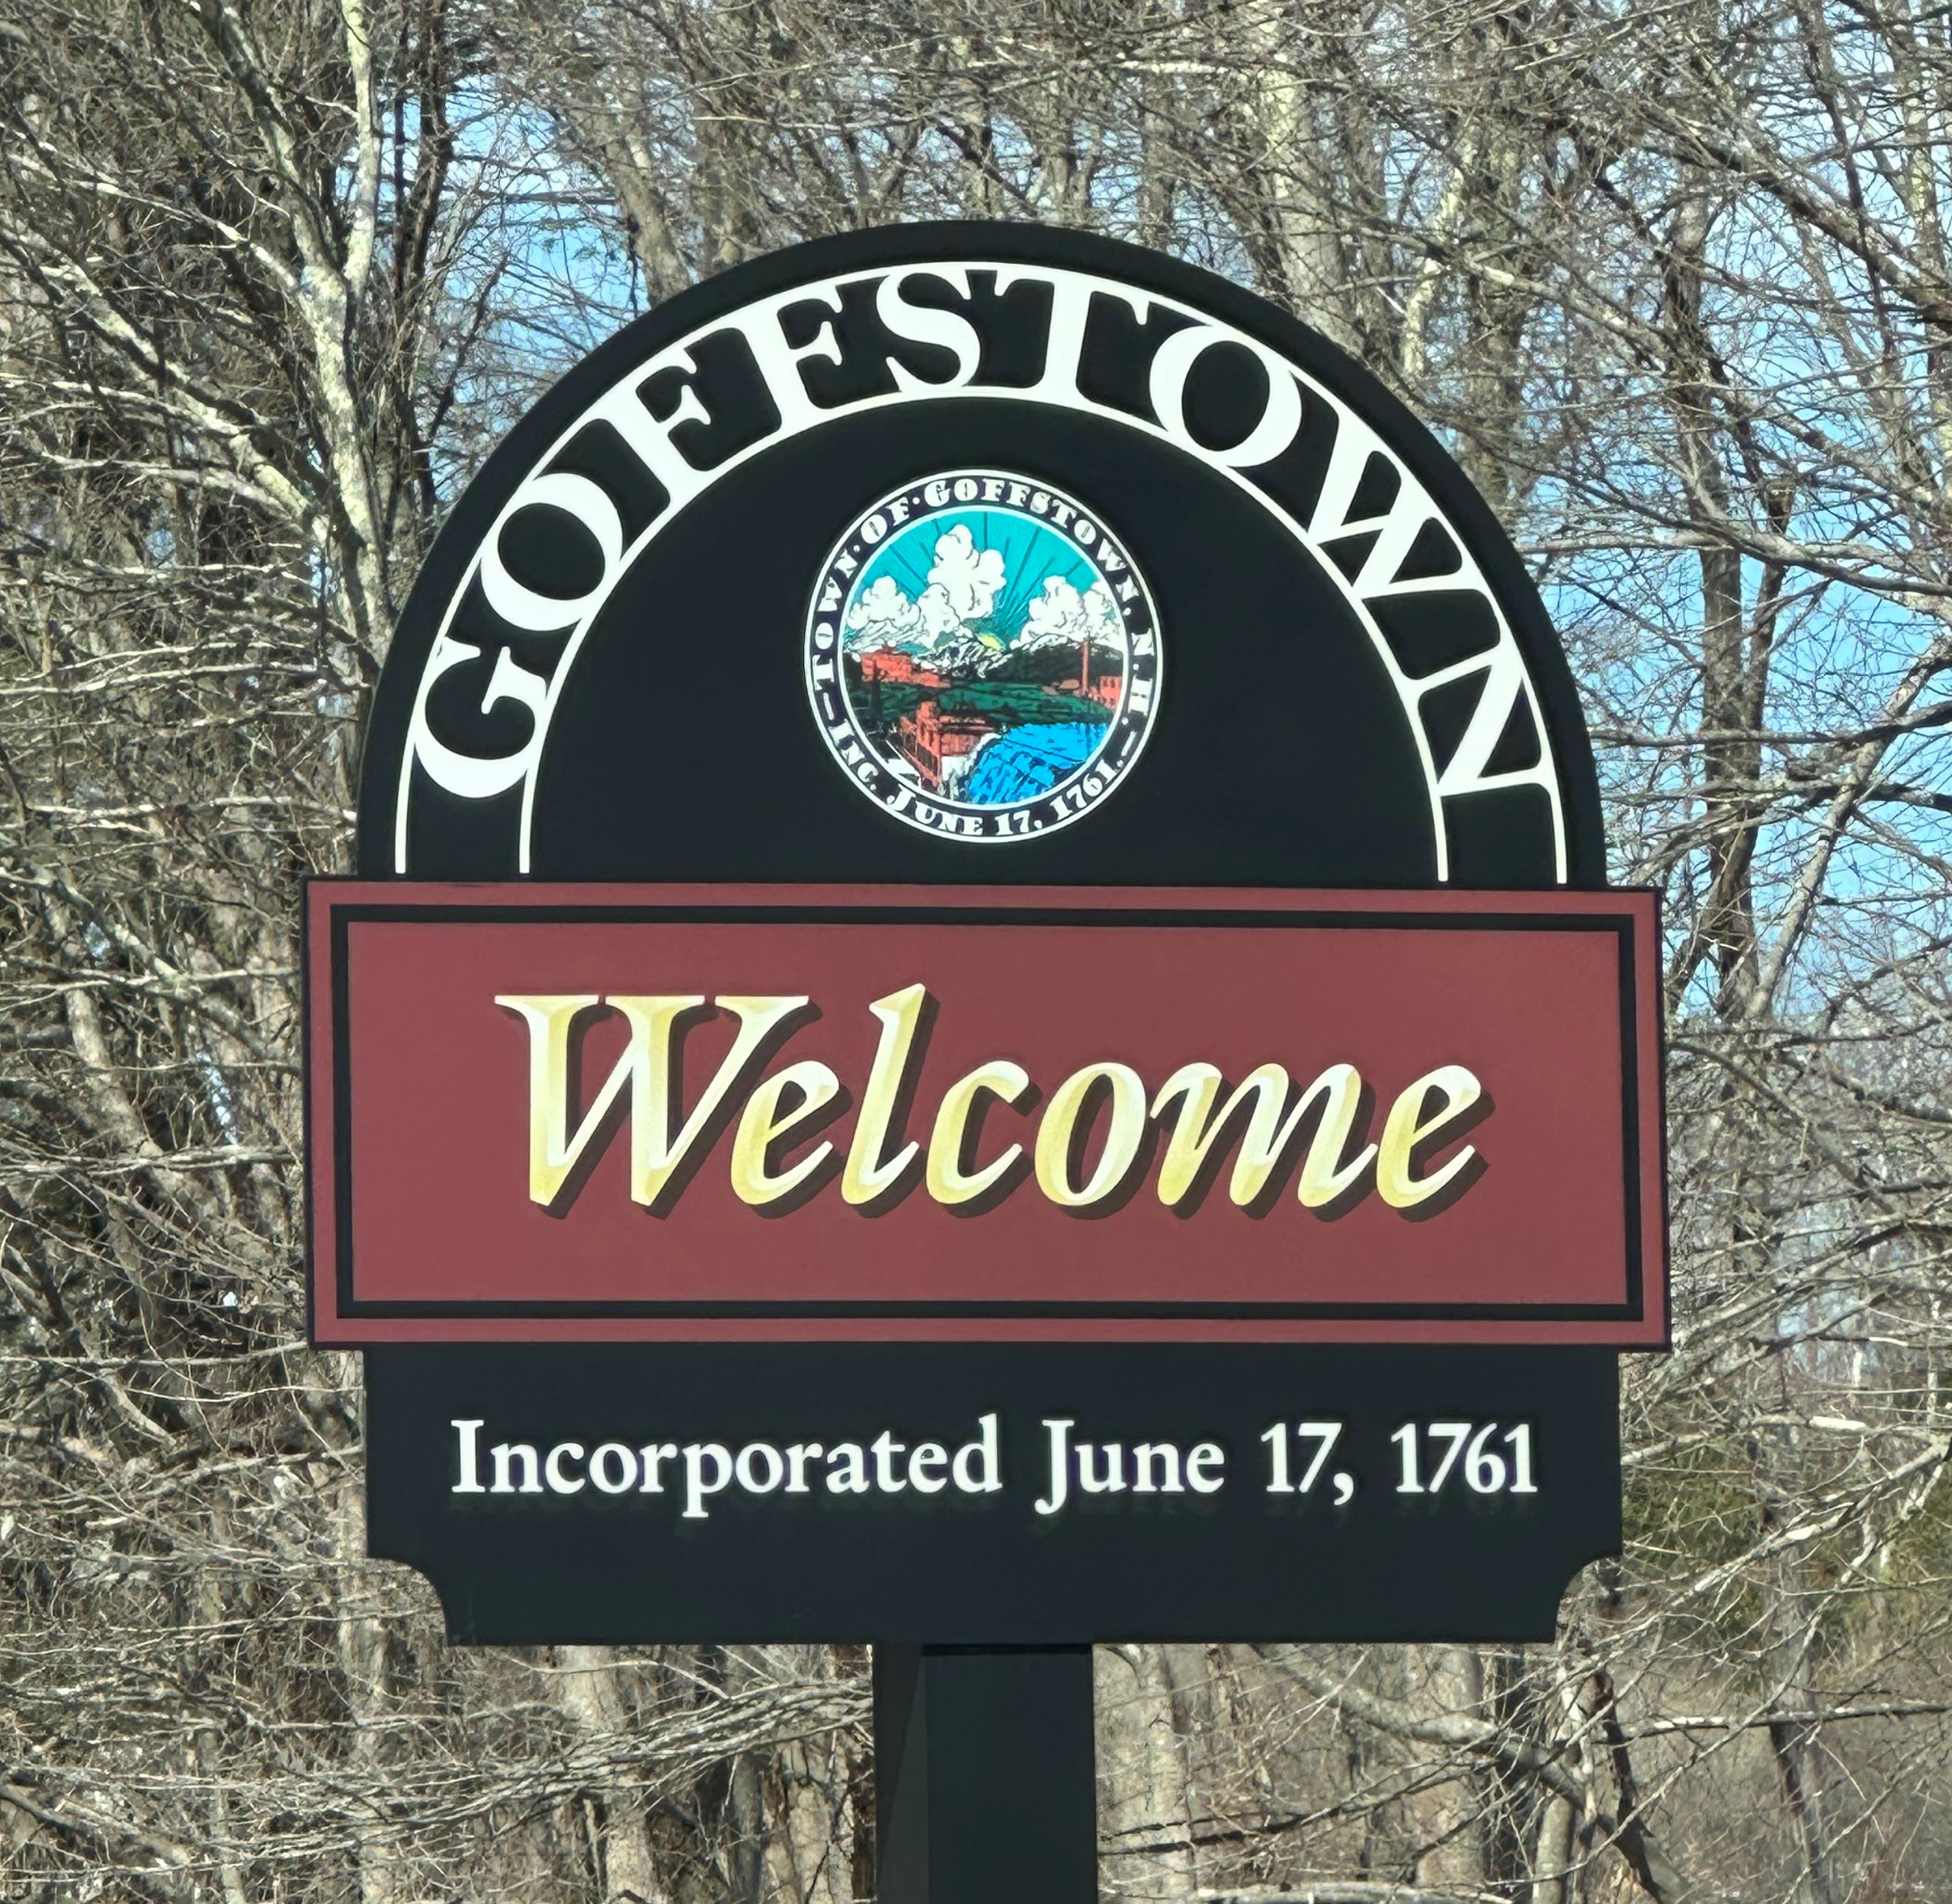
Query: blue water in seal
(1029, 761)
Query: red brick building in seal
(889, 665)
(930, 740)
(1105, 690)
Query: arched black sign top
(977, 552)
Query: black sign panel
(983, 555)
(1045, 1495)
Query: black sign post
(943, 635)
(986, 1782)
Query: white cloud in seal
(883, 615)
(968, 577)
(939, 613)
(962, 588)
(1061, 614)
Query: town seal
(982, 655)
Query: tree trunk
(587, 1689)
(1146, 1697)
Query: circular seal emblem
(982, 655)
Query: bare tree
(1673, 284)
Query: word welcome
(1093, 1139)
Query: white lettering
(464, 775)
(525, 607)
(697, 1485)
(760, 1467)
(926, 323)
(613, 1454)
(468, 1433)
(847, 1469)
(779, 361)
(1059, 1489)
(1203, 1467)
(884, 1448)
(1064, 342)
(1280, 418)
(559, 1482)
(648, 437)
(977, 1470)
(506, 1454)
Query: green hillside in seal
(1053, 662)
(1010, 704)
(1018, 703)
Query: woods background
(1672, 279)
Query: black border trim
(1621, 925)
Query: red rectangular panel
(431, 1219)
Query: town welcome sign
(980, 1012)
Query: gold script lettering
(1408, 1130)
(645, 1068)
(1058, 1133)
(948, 1181)
(762, 1124)
(868, 1175)
(1324, 1175)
